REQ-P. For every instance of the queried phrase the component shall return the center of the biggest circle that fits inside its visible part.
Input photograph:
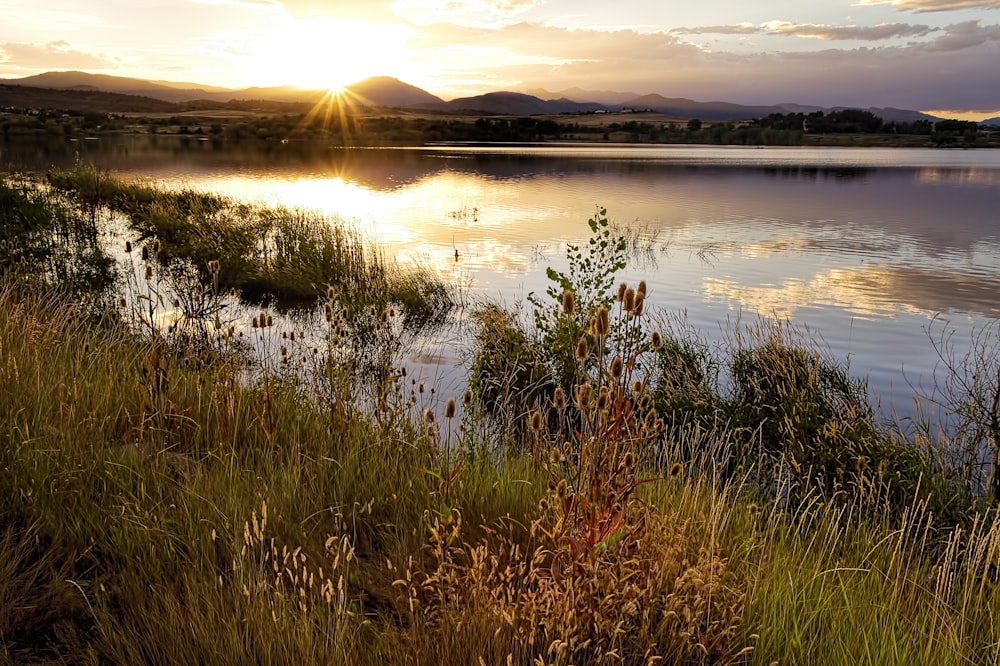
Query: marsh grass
(184, 504)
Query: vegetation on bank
(353, 126)
(609, 490)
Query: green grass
(164, 502)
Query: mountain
(86, 100)
(681, 106)
(389, 92)
(516, 104)
(995, 122)
(606, 97)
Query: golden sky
(917, 54)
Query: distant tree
(694, 125)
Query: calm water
(872, 249)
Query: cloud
(463, 12)
(935, 5)
(368, 10)
(965, 35)
(53, 55)
(882, 31)
(956, 68)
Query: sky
(931, 55)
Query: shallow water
(873, 250)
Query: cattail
(255, 323)
(213, 267)
(270, 322)
(449, 409)
(328, 312)
(559, 398)
(149, 272)
(628, 301)
(641, 289)
(656, 340)
(617, 367)
(284, 350)
(581, 350)
(128, 247)
(156, 246)
(145, 253)
(621, 292)
(536, 421)
(568, 303)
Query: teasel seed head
(559, 398)
(602, 322)
(637, 387)
(568, 303)
(640, 299)
(656, 340)
(449, 409)
(466, 397)
(583, 394)
(331, 293)
(536, 421)
(603, 398)
(641, 289)
(621, 292)
(628, 301)
(428, 416)
(675, 470)
(617, 367)
(581, 350)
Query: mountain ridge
(388, 92)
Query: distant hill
(515, 104)
(389, 92)
(382, 91)
(608, 98)
(995, 122)
(87, 100)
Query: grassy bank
(601, 498)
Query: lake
(874, 251)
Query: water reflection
(825, 237)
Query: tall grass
(169, 503)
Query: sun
(323, 53)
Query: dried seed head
(637, 386)
(628, 301)
(156, 246)
(331, 293)
(466, 397)
(122, 303)
(621, 292)
(640, 299)
(656, 340)
(536, 421)
(255, 323)
(568, 303)
(145, 253)
(675, 470)
(149, 272)
(641, 289)
(449, 409)
(583, 394)
(617, 367)
(270, 322)
(128, 247)
(581, 350)
(559, 398)
(602, 323)
(429, 416)
(603, 398)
